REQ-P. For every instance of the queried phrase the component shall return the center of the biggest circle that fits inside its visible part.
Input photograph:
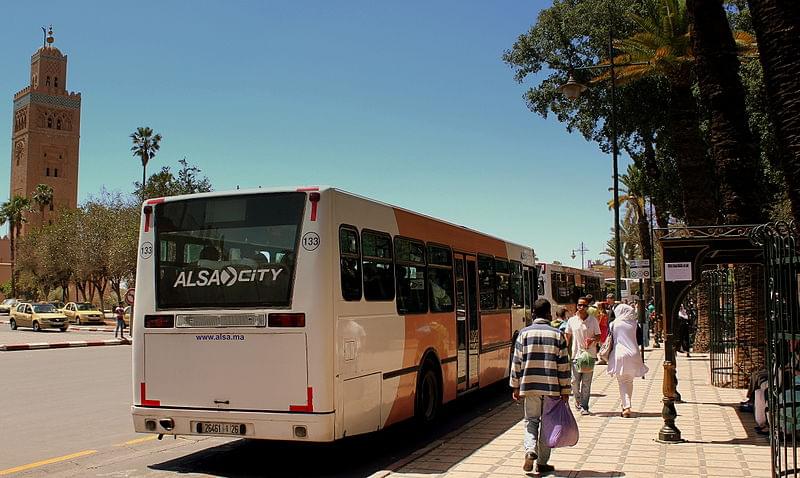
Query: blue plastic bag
(559, 427)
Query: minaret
(46, 132)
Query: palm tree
(733, 148)
(663, 42)
(145, 146)
(42, 196)
(13, 211)
(777, 27)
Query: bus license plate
(216, 428)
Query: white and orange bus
(314, 314)
(563, 285)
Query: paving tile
(611, 446)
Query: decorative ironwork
(779, 243)
(722, 325)
(706, 232)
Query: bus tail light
(287, 320)
(159, 321)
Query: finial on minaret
(44, 37)
(50, 38)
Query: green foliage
(164, 183)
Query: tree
(145, 146)
(188, 181)
(662, 40)
(777, 27)
(733, 148)
(13, 211)
(42, 196)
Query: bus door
(467, 321)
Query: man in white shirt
(583, 335)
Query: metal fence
(722, 326)
(779, 243)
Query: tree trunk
(777, 26)
(749, 307)
(702, 336)
(695, 170)
(11, 230)
(733, 149)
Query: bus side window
(410, 271)
(502, 283)
(516, 285)
(487, 283)
(378, 268)
(350, 263)
(440, 272)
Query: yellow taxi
(82, 313)
(38, 316)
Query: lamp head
(572, 89)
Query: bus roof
(284, 189)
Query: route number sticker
(310, 241)
(147, 250)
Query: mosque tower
(46, 133)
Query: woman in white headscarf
(625, 361)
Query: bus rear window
(234, 251)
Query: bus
(629, 288)
(563, 285)
(312, 314)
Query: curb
(108, 328)
(61, 345)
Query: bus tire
(428, 398)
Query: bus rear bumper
(313, 427)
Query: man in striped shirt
(540, 368)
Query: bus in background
(563, 285)
(313, 314)
(629, 288)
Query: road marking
(137, 441)
(8, 471)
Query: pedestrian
(119, 313)
(684, 330)
(540, 368)
(583, 334)
(625, 362)
(602, 319)
(561, 318)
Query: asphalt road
(73, 405)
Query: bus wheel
(429, 395)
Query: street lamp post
(581, 249)
(572, 89)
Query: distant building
(45, 139)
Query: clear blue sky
(405, 102)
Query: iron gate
(779, 243)
(722, 325)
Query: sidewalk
(720, 441)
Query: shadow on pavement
(355, 456)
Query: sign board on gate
(678, 271)
(129, 296)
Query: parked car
(39, 316)
(83, 313)
(7, 305)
